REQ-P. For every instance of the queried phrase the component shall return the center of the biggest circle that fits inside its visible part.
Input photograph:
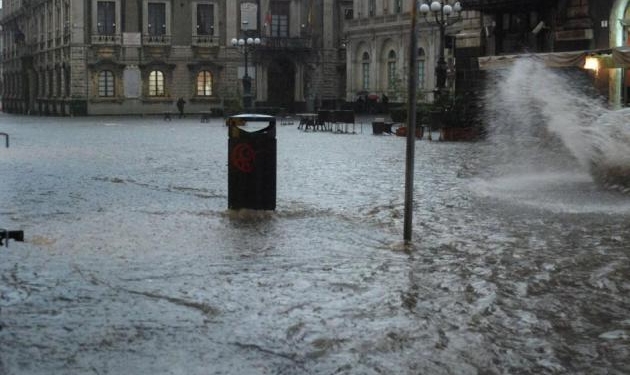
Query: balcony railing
(156, 40)
(205, 40)
(102, 39)
(381, 20)
(279, 43)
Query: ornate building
(138, 57)
(378, 48)
(378, 35)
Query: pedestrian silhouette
(385, 102)
(180, 107)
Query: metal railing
(286, 43)
(156, 40)
(106, 39)
(205, 40)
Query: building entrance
(281, 84)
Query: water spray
(543, 119)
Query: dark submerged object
(252, 162)
(6, 235)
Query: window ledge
(158, 99)
(107, 100)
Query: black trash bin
(252, 162)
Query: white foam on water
(549, 134)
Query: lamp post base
(440, 73)
(247, 92)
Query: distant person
(371, 102)
(385, 102)
(180, 107)
(360, 106)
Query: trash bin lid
(249, 117)
(256, 123)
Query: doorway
(281, 84)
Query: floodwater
(133, 265)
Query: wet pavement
(133, 265)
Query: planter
(402, 131)
(398, 114)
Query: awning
(553, 59)
(618, 57)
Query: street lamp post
(444, 15)
(245, 47)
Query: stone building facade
(139, 56)
(597, 29)
(378, 33)
(378, 38)
(74, 57)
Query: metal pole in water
(411, 126)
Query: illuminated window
(156, 83)
(204, 83)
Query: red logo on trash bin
(242, 157)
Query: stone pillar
(328, 24)
(232, 28)
(349, 70)
(79, 87)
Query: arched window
(105, 83)
(204, 83)
(421, 68)
(58, 83)
(366, 71)
(391, 70)
(156, 83)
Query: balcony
(205, 41)
(106, 40)
(156, 46)
(106, 46)
(156, 40)
(286, 43)
(388, 20)
(205, 46)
